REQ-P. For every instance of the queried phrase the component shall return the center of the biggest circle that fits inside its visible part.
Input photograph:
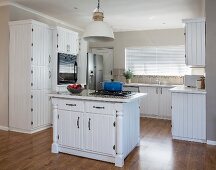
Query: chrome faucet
(157, 80)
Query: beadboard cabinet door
(189, 117)
(144, 102)
(99, 133)
(70, 127)
(153, 101)
(30, 76)
(67, 41)
(157, 103)
(165, 103)
(195, 42)
(41, 108)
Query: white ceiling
(122, 15)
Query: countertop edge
(93, 98)
(183, 89)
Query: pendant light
(98, 30)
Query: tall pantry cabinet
(29, 76)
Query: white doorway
(107, 54)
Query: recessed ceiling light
(152, 17)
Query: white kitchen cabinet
(157, 103)
(64, 41)
(29, 76)
(153, 101)
(67, 41)
(105, 129)
(189, 117)
(195, 42)
(165, 103)
(70, 128)
(99, 133)
(144, 102)
(93, 128)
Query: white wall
(140, 39)
(4, 68)
(211, 69)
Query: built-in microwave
(67, 69)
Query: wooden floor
(157, 152)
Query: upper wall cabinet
(67, 41)
(195, 42)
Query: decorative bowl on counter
(75, 88)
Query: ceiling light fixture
(98, 30)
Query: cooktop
(113, 94)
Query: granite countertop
(149, 85)
(86, 96)
(183, 89)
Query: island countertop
(84, 95)
(183, 89)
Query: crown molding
(5, 3)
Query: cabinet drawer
(74, 105)
(100, 107)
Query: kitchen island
(104, 128)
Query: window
(166, 60)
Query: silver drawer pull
(89, 124)
(70, 104)
(95, 107)
(78, 122)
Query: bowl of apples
(75, 88)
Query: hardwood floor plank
(157, 151)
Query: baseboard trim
(189, 139)
(154, 117)
(211, 142)
(5, 128)
(29, 131)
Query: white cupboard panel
(74, 105)
(195, 42)
(41, 108)
(70, 125)
(67, 41)
(99, 133)
(100, 107)
(144, 101)
(20, 76)
(164, 103)
(153, 101)
(189, 116)
(30, 44)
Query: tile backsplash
(148, 79)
